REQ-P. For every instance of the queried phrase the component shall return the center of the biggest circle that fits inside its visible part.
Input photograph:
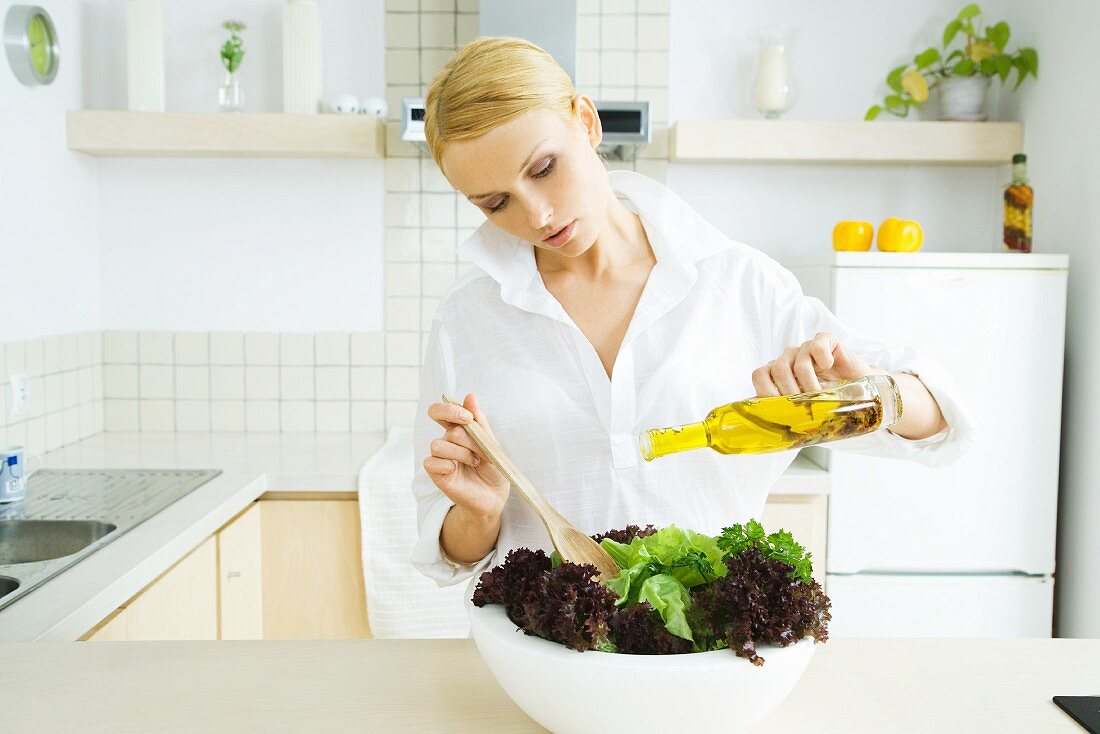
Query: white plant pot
(963, 97)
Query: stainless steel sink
(7, 585)
(27, 541)
(69, 514)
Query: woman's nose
(541, 214)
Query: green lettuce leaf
(671, 599)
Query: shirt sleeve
(436, 378)
(798, 317)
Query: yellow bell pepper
(900, 235)
(852, 236)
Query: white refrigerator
(966, 550)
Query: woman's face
(537, 177)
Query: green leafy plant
(233, 49)
(779, 546)
(981, 52)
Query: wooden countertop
(851, 686)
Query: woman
(602, 305)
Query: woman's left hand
(804, 368)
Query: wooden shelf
(804, 141)
(273, 135)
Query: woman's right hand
(458, 468)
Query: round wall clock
(30, 43)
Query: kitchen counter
(851, 686)
(253, 465)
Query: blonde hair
(488, 82)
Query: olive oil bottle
(1019, 199)
(758, 425)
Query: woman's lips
(562, 236)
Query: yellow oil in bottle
(760, 425)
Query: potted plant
(962, 75)
(230, 97)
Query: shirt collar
(678, 235)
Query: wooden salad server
(571, 544)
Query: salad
(678, 592)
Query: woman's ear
(590, 119)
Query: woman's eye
(542, 173)
(546, 169)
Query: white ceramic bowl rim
(493, 619)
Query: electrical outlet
(20, 393)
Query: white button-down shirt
(711, 312)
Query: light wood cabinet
(312, 570)
(182, 604)
(805, 516)
(281, 569)
(240, 577)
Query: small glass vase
(230, 94)
(773, 90)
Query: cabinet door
(805, 516)
(180, 605)
(240, 577)
(312, 570)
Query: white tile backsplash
(226, 383)
(192, 348)
(403, 174)
(226, 348)
(401, 314)
(334, 416)
(261, 382)
(297, 383)
(403, 279)
(438, 210)
(402, 244)
(368, 348)
(262, 415)
(438, 244)
(158, 415)
(333, 349)
(155, 347)
(193, 415)
(120, 381)
(193, 382)
(227, 415)
(296, 349)
(156, 381)
(402, 349)
(298, 416)
(333, 383)
(402, 67)
(437, 30)
(402, 30)
(368, 383)
(261, 349)
(119, 347)
(618, 33)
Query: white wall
(240, 244)
(48, 248)
(840, 59)
(1063, 146)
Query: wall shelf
(806, 141)
(272, 135)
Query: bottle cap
(1019, 158)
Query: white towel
(401, 602)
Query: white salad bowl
(572, 692)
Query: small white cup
(14, 474)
